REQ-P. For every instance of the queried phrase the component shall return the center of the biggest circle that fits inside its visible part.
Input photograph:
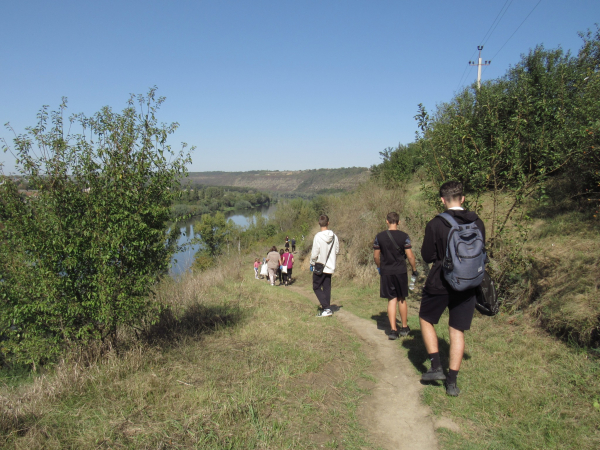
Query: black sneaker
(404, 331)
(393, 335)
(452, 389)
(434, 375)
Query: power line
(479, 64)
(463, 75)
(465, 71)
(536, 5)
(496, 21)
(487, 35)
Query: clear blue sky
(268, 84)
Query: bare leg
(429, 337)
(392, 312)
(403, 308)
(457, 347)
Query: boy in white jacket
(325, 243)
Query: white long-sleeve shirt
(320, 248)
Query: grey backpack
(464, 262)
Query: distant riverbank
(182, 261)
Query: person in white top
(326, 247)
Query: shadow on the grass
(417, 354)
(197, 320)
(382, 321)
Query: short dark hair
(323, 220)
(281, 251)
(393, 217)
(451, 191)
(273, 249)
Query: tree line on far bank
(195, 200)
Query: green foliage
(199, 199)
(243, 204)
(539, 120)
(213, 232)
(584, 173)
(291, 215)
(80, 257)
(509, 138)
(203, 262)
(398, 165)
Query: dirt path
(393, 414)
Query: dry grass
(549, 266)
(235, 364)
(565, 279)
(357, 218)
(521, 388)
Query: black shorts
(460, 304)
(393, 286)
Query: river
(182, 261)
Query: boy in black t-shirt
(437, 293)
(390, 250)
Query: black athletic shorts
(393, 286)
(460, 304)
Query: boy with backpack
(455, 243)
(390, 250)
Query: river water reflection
(182, 261)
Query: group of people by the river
(391, 248)
(278, 265)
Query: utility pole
(479, 64)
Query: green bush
(213, 232)
(398, 165)
(80, 258)
(540, 120)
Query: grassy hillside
(299, 181)
(530, 378)
(234, 364)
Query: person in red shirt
(256, 266)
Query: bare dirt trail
(393, 414)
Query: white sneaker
(324, 313)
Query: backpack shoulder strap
(331, 248)
(393, 240)
(449, 219)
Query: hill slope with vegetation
(317, 181)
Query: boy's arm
(411, 259)
(377, 257)
(428, 250)
(337, 245)
(314, 254)
(376, 253)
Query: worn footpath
(393, 415)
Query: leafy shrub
(399, 164)
(80, 258)
(510, 138)
(243, 204)
(213, 232)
